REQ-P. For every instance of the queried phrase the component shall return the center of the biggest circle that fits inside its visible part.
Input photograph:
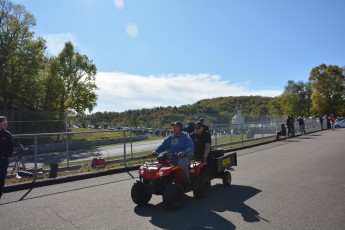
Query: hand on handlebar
(180, 154)
(154, 153)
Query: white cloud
(56, 42)
(122, 91)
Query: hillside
(215, 111)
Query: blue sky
(153, 53)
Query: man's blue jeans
(184, 164)
(3, 173)
(302, 127)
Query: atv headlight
(160, 172)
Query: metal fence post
(262, 131)
(35, 156)
(242, 133)
(131, 139)
(124, 146)
(67, 149)
(230, 133)
(67, 152)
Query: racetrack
(297, 183)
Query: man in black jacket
(202, 142)
(6, 149)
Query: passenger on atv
(180, 147)
(202, 142)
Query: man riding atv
(180, 147)
(173, 174)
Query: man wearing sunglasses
(202, 142)
(6, 149)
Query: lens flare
(120, 4)
(132, 30)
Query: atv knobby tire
(226, 178)
(138, 193)
(204, 187)
(172, 196)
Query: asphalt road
(298, 183)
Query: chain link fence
(74, 151)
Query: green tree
(275, 106)
(21, 58)
(328, 89)
(71, 82)
(295, 98)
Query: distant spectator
(292, 125)
(289, 126)
(282, 131)
(250, 134)
(328, 121)
(321, 121)
(301, 125)
(332, 121)
(190, 127)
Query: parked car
(339, 119)
(339, 124)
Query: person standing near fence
(292, 120)
(321, 121)
(332, 120)
(289, 126)
(301, 125)
(6, 149)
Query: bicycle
(23, 171)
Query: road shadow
(27, 192)
(292, 140)
(305, 137)
(202, 213)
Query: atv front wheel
(204, 186)
(172, 196)
(226, 178)
(138, 193)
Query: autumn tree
(328, 89)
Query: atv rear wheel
(226, 178)
(138, 193)
(172, 196)
(204, 186)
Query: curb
(36, 184)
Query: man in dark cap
(180, 147)
(202, 141)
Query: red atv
(164, 177)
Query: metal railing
(74, 150)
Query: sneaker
(187, 186)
